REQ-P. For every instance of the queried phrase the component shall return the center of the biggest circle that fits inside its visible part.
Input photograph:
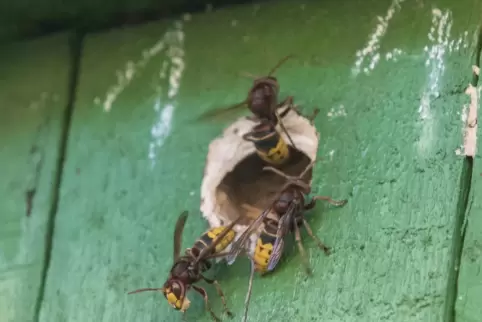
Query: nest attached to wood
(234, 183)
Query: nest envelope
(234, 183)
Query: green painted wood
(388, 140)
(33, 96)
(469, 286)
(21, 19)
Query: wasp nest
(234, 183)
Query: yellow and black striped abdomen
(263, 250)
(208, 237)
(270, 145)
(273, 151)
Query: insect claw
(338, 203)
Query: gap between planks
(75, 46)
(464, 202)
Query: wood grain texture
(392, 154)
(33, 97)
(469, 285)
(468, 264)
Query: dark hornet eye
(177, 290)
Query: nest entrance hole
(248, 189)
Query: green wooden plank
(393, 154)
(21, 19)
(469, 284)
(33, 96)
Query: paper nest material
(230, 152)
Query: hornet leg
(304, 257)
(250, 286)
(314, 115)
(202, 291)
(288, 101)
(220, 293)
(285, 130)
(331, 201)
(320, 244)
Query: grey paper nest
(234, 183)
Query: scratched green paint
(33, 92)
(469, 287)
(467, 307)
(392, 242)
(468, 264)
